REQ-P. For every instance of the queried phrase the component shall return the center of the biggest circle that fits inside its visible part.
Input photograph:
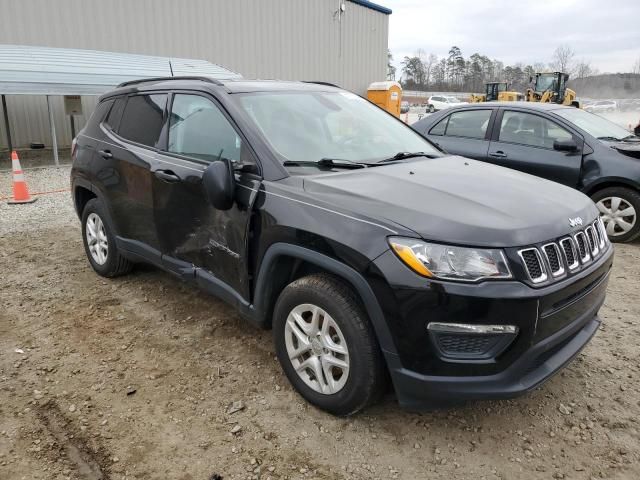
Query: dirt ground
(138, 378)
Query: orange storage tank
(387, 95)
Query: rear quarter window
(98, 116)
(439, 127)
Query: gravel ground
(142, 377)
(54, 209)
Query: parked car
(370, 253)
(404, 107)
(629, 105)
(601, 106)
(441, 102)
(560, 143)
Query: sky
(605, 33)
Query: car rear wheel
(619, 208)
(99, 242)
(326, 345)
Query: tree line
(455, 73)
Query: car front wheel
(619, 208)
(326, 345)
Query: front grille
(581, 240)
(552, 254)
(570, 253)
(593, 241)
(555, 258)
(533, 263)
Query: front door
(524, 141)
(195, 238)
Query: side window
(142, 119)
(533, 130)
(101, 111)
(198, 129)
(113, 119)
(469, 123)
(440, 127)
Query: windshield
(593, 124)
(546, 82)
(311, 126)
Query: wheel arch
(609, 182)
(284, 263)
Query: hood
(456, 200)
(630, 149)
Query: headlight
(449, 262)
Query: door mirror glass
(568, 145)
(219, 184)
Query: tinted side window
(113, 119)
(533, 130)
(440, 127)
(142, 118)
(197, 128)
(101, 111)
(470, 123)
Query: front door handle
(498, 154)
(105, 153)
(167, 176)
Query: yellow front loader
(552, 88)
(497, 91)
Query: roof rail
(328, 84)
(160, 79)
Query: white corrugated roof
(31, 70)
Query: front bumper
(554, 324)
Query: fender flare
(355, 279)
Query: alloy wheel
(317, 349)
(97, 239)
(618, 215)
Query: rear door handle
(105, 153)
(498, 154)
(167, 176)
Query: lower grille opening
(466, 344)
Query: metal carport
(28, 70)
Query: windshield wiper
(630, 137)
(405, 155)
(326, 162)
(610, 139)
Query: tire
(109, 262)
(432, 109)
(629, 201)
(337, 307)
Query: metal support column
(6, 123)
(54, 141)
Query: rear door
(126, 155)
(463, 132)
(524, 141)
(195, 238)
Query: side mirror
(569, 145)
(219, 184)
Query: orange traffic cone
(20, 190)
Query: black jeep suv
(369, 252)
